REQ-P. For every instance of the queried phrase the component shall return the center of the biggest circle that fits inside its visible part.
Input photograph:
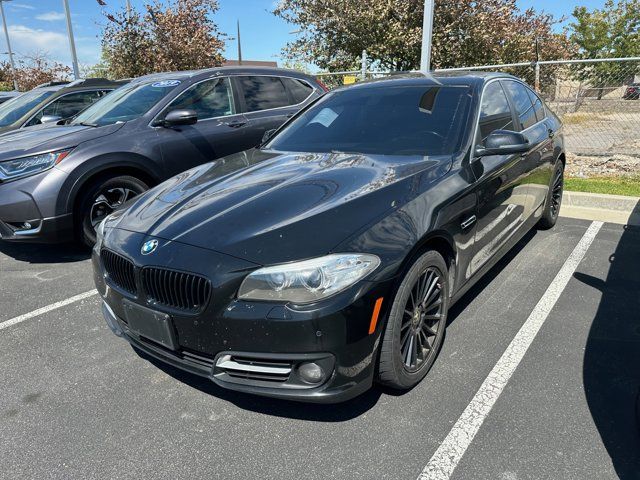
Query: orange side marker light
(374, 317)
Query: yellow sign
(349, 79)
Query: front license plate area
(151, 324)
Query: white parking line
(446, 458)
(48, 308)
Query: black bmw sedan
(327, 259)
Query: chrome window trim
(214, 77)
(313, 90)
(498, 79)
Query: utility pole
(6, 34)
(128, 11)
(239, 46)
(72, 43)
(427, 32)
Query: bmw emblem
(149, 247)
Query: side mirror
(50, 119)
(503, 142)
(267, 135)
(180, 117)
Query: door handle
(468, 222)
(236, 123)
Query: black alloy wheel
(415, 329)
(421, 320)
(554, 198)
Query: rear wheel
(100, 199)
(417, 320)
(554, 198)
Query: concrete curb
(606, 208)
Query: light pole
(239, 46)
(6, 34)
(72, 43)
(427, 31)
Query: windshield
(14, 109)
(386, 120)
(126, 103)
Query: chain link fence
(598, 100)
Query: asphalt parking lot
(77, 402)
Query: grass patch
(578, 118)
(610, 185)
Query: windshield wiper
(87, 124)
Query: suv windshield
(12, 110)
(385, 120)
(126, 103)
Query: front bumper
(269, 338)
(29, 209)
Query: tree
(32, 71)
(613, 31)
(466, 33)
(178, 35)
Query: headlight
(22, 167)
(100, 234)
(308, 281)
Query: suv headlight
(22, 167)
(308, 281)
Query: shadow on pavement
(611, 370)
(45, 253)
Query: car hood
(46, 138)
(271, 207)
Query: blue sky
(39, 26)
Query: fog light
(311, 372)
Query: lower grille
(179, 290)
(255, 369)
(120, 271)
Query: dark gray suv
(58, 182)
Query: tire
(553, 201)
(399, 366)
(92, 209)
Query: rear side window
(522, 102)
(210, 99)
(495, 112)
(538, 106)
(299, 89)
(262, 93)
(69, 105)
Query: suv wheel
(416, 325)
(100, 199)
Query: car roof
(465, 78)
(80, 84)
(236, 70)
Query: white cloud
(55, 44)
(50, 16)
(22, 5)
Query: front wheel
(417, 320)
(100, 199)
(554, 198)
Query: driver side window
(495, 111)
(209, 99)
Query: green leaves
(164, 36)
(466, 32)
